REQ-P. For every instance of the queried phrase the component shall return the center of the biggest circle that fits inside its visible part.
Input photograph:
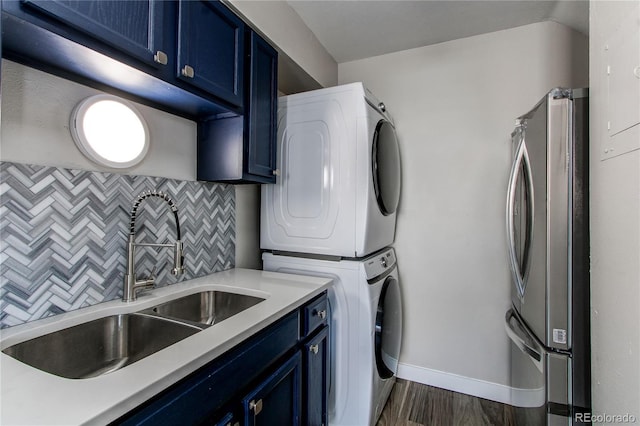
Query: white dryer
(338, 182)
(366, 330)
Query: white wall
(615, 228)
(36, 107)
(454, 106)
(248, 253)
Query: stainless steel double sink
(108, 344)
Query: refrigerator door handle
(521, 159)
(516, 330)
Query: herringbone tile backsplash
(63, 236)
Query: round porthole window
(110, 131)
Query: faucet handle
(178, 259)
(178, 271)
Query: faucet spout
(131, 284)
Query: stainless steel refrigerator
(548, 240)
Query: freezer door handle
(521, 159)
(519, 336)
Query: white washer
(338, 182)
(366, 330)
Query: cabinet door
(315, 384)
(133, 27)
(276, 400)
(211, 49)
(262, 109)
(226, 420)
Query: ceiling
(356, 29)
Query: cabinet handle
(321, 314)
(187, 71)
(314, 348)
(275, 172)
(256, 407)
(161, 57)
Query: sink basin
(100, 346)
(107, 344)
(206, 307)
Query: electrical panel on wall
(622, 52)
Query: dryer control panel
(379, 263)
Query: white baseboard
(456, 383)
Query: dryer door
(386, 167)
(388, 331)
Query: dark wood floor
(414, 404)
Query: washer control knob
(382, 107)
(383, 262)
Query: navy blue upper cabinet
(193, 58)
(130, 48)
(132, 27)
(211, 49)
(243, 149)
(262, 108)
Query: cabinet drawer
(315, 314)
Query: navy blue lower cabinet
(315, 385)
(276, 378)
(202, 396)
(227, 420)
(276, 400)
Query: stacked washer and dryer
(332, 213)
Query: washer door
(388, 331)
(386, 167)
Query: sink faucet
(131, 284)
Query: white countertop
(32, 397)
